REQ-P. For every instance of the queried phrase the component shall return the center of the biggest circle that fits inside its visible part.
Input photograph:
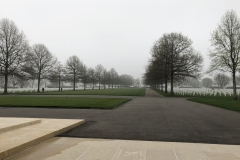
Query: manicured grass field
(61, 102)
(218, 101)
(222, 102)
(110, 92)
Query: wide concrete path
(151, 93)
(147, 118)
(105, 149)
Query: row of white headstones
(204, 92)
(24, 90)
(177, 91)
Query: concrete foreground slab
(103, 149)
(18, 134)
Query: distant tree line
(20, 62)
(220, 79)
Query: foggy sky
(113, 33)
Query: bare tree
(24, 83)
(14, 80)
(40, 63)
(113, 75)
(221, 79)
(207, 82)
(104, 78)
(137, 82)
(84, 76)
(156, 74)
(56, 74)
(99, 73)
(126, 80)
(13, 48)
(73, 67)
(184, 61)
(92, 76)
(225, 55)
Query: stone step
(7, 124)
(20, 139)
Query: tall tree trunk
(74, 79)
(59, 78)
(166, 84)
(93, 85)
(99, 83)
(6, 76)
(171, 92)
(6, 81)
(234, 86)
(39, 74)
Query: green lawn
(61, 102)
(222, 102)
(218, 100)
(111, 92)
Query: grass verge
(225, 102)
(111, 92)
(62, 102)
(222, 102)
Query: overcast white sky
(113, 33)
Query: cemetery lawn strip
(62, 102)
(110, 92)
(222, 102)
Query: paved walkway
(104, 149)
(152, 93)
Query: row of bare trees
(220, 79)
(23, 62)
(172, 60)
(75, 71)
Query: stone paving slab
(104, 149)
(8, 124)
(19, 139)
